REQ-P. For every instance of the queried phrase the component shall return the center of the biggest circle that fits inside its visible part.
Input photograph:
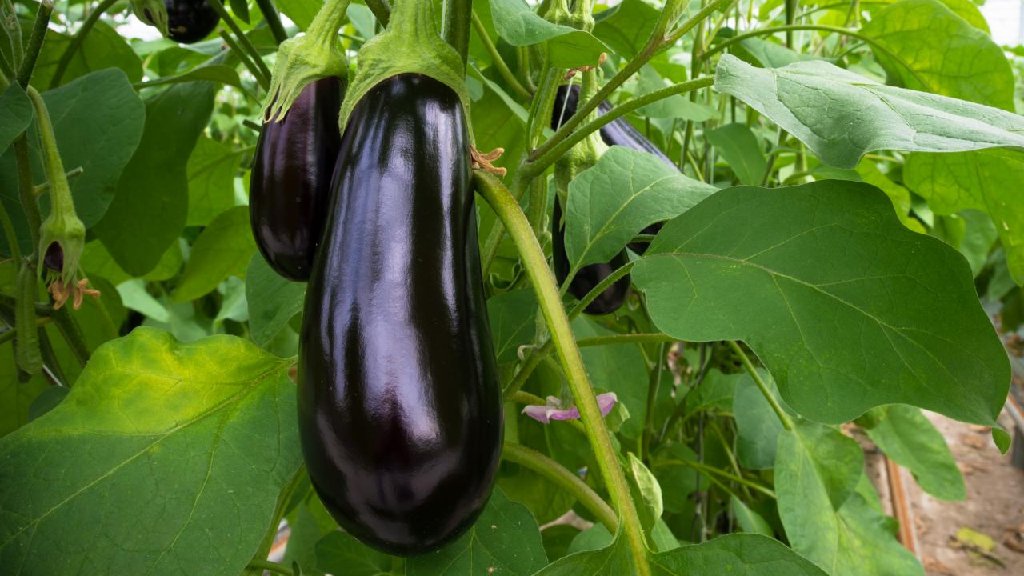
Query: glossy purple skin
(400, 415)
(290, 182)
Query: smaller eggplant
(189, 21)
(290, 183)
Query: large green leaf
(841, 115)
(757, 425)
(568, 47)
(340, 553)
(273, 300)
(165, 458)
(211, 180)
(735, 555)
(624, 192)
(910, 440)
(986, 180)
(98, 122)
(151, 204)
(504, 540)
(837, 298)
(223, 249)
(16, 397)
(923, 45)
(817, 470)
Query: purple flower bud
(553, 410)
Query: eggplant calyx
(305, 59)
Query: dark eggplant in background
(400, 412)
(189, 21)
(289, 186)
(589, 276)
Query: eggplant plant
(497, 287)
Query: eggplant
(618, 132)
(400, 414)
(290, 182)
(189, 21)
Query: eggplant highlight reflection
(400, 412)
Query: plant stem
(563, 478)
(78, 40)
(787, 422)
(35, 42)
(250, 65)
(273, 20)
(9, 233)
(625, 339)
(243, 40)
(456, 25)
(72, 334)
(567, 140)
(543, 280)
(499, 62)
(653, 386)
(381, 10)
(271, 567)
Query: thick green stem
(543, 281)
(246, 60)
(35, 42)
(456, 25)
(499, 62)
(787, 422)
(563, 478)
(568, 139)
(9, 233)
(272, 19)
(76, 42)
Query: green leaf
(749, 521)
(273, 300)
(841, 116)
(220, 73)
(545, 500)
(626, 27)
(496, 124)
(513, 317)
(618, 197)
(15, 114)
(223, 249)
(715, 392)
(835, 297)
(612, 559)
(1001, 438)
(568, 47)
(772, 55)
(910, 440)
(339, 553)
(757, 425)
(677, 479)
(211, 180)
(504, 540)
(818, 479)
(135, 297)
(675, 106)
(151, 204)
(968, 11)
(308, 524)
(165, 458)
(741, 150)
(102, 49)
(923, 45)
(646, 493)
(986, 180)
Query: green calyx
(305, 59)
(410, 45)
(62, 234)
(152, 12)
